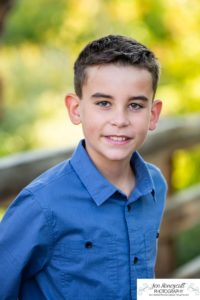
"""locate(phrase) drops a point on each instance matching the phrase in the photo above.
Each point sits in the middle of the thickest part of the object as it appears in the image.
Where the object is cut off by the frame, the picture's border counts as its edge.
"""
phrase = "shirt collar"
(99, 188)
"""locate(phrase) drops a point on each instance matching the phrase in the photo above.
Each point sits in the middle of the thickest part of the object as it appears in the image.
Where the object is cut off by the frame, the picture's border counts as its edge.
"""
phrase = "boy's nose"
(120, 119)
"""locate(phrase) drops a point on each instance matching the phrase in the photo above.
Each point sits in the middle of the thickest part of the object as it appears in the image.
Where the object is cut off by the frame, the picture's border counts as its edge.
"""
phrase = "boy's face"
(116, 111)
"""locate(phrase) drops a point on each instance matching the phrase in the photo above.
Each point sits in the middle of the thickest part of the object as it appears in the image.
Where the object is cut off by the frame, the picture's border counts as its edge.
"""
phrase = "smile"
(117, 139)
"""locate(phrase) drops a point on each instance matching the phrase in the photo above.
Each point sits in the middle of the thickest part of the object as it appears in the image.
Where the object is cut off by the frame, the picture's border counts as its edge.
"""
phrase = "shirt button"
(135, 261)
(88, 245)
(129, 207)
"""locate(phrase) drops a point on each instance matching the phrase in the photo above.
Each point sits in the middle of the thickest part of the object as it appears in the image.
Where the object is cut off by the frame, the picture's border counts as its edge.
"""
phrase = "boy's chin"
(118, 157)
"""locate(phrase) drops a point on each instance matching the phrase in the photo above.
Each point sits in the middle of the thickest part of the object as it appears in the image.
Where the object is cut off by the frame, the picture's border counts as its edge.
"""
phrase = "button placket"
(135, 260)
(88, 245)
(129, 207)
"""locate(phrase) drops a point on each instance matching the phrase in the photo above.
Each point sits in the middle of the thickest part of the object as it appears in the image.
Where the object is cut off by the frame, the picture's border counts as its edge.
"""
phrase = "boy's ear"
(155, 114)
(72, 103)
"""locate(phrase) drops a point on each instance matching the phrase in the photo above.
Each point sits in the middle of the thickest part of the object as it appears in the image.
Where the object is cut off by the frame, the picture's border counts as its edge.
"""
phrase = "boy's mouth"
(116, 138)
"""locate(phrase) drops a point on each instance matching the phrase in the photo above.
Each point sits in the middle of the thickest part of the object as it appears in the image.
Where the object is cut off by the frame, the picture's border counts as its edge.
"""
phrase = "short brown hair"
(115, 49)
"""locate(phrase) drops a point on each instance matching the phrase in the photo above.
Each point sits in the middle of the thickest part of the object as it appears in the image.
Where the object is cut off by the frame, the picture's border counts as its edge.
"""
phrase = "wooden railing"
(18, 170)
(182, 210)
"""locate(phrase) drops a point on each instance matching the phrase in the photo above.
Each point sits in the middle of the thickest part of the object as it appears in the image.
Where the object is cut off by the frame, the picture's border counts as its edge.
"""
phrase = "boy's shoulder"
(148, 174)
(142, 166)
(153, 169)
(157, 176)
(52, 179)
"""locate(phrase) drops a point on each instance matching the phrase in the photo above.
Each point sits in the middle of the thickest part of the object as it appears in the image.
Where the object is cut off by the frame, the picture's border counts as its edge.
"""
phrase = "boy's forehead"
(113, 73)
(109, 69)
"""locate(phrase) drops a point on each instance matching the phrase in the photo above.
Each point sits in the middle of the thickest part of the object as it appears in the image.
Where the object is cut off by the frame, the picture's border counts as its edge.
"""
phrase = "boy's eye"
(103, 103)
(135, 106)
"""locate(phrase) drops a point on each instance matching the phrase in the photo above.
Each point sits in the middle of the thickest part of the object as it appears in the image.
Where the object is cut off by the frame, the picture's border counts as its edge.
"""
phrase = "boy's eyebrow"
(139, 97)
(102, 95)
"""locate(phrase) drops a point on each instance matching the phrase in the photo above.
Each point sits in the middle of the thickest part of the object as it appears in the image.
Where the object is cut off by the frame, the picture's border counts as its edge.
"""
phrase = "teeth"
(118, 138)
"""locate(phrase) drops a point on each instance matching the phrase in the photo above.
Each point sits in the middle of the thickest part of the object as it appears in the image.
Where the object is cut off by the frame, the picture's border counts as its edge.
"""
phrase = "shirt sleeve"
(25, 243)
(160, 188)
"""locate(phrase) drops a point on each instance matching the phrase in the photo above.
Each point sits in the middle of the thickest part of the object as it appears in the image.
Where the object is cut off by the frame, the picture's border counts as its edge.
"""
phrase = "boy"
(87, 228)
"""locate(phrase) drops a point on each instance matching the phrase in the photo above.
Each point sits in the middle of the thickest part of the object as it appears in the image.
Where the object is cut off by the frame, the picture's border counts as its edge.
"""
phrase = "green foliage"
(187, 247)
(154, 19)
(33, 80)
(186, 165)
(33, 21)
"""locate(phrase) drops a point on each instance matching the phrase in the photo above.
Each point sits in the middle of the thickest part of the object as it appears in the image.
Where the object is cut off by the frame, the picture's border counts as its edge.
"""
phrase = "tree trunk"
(5, 6)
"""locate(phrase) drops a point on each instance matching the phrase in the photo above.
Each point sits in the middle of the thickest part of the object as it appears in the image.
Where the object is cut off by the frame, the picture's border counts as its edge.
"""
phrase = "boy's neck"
(120, 175)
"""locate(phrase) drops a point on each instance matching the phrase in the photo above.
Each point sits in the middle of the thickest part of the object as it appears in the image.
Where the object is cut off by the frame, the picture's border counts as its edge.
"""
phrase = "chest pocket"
(87, 269)
(144, 253)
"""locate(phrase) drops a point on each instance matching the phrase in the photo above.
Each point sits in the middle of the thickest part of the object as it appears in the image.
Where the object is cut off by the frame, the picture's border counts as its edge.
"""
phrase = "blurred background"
(39, 41)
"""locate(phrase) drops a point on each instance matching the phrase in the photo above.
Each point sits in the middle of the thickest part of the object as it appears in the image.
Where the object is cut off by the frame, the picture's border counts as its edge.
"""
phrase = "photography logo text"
(168, 288)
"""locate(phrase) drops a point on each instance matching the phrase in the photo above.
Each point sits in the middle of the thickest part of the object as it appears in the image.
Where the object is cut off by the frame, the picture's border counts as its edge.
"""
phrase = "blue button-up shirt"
(72, 235)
